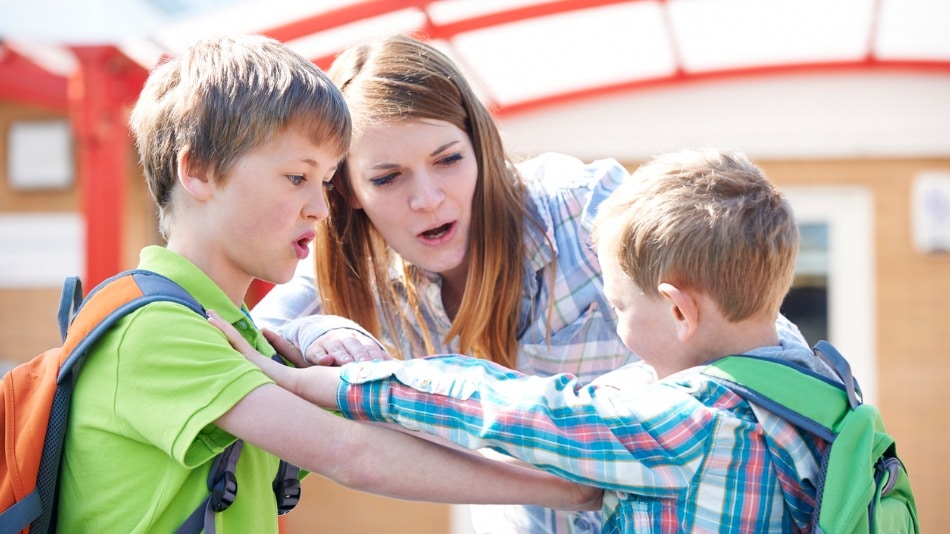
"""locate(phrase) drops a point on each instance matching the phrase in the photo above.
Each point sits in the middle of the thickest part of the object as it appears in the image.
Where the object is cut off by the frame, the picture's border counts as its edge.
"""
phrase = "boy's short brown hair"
(224, 97)
(708, 220)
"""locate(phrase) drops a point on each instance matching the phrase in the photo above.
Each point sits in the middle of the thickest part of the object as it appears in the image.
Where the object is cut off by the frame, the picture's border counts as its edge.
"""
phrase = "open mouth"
(302, 245)
(437, 232)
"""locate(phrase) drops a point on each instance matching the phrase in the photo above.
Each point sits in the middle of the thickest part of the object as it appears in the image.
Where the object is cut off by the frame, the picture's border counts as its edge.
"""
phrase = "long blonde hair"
(398, 79)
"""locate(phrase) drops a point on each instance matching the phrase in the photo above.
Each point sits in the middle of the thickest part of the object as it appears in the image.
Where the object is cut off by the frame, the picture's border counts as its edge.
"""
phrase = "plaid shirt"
(683, 454)
(562, 194)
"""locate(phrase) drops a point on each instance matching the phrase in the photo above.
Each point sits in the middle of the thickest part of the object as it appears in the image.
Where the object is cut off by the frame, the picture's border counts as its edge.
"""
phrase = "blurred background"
(843, 103)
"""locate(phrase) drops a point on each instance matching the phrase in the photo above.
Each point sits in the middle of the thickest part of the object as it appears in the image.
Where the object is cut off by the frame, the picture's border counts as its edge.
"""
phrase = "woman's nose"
(427, 193)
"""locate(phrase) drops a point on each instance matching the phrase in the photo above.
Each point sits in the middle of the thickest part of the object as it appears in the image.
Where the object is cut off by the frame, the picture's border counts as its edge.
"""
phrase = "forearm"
(459, 477)
(317, 384)
(388, 462)
(550, 422)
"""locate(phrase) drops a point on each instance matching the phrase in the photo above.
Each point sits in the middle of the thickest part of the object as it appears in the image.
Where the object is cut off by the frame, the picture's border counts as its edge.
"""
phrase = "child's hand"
(234, 338)
(343, 345)
(306, 383)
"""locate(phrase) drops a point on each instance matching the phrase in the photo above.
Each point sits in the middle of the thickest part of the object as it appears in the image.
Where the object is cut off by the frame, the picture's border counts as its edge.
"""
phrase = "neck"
(234, 285)
(451, 297)
(719, 338)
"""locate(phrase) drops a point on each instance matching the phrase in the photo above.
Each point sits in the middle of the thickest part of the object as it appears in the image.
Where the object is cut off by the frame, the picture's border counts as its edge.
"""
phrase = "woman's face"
(415, 181)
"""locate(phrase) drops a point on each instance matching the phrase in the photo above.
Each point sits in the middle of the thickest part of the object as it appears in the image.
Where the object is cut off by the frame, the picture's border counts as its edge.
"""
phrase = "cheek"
(626, 330)
(383, 211)
(471, 180)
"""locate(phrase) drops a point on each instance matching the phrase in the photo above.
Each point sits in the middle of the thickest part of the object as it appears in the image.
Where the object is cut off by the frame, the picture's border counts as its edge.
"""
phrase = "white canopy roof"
(532, 55)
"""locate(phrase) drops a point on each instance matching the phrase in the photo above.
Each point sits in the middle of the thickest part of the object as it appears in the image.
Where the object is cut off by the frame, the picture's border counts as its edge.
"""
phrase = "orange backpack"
(36, 394)
(36, 397)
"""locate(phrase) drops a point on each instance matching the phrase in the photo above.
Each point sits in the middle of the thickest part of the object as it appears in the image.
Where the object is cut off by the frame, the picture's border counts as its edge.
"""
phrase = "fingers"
(234, 337)
(285, 348)
(339, 347)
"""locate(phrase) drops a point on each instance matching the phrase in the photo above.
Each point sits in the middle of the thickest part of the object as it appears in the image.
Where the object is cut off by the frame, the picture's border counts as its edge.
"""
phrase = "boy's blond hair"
(707, 220)
(224, 97)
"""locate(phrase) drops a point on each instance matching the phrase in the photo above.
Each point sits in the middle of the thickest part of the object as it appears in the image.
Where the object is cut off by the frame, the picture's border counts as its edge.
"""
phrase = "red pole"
(98, 94)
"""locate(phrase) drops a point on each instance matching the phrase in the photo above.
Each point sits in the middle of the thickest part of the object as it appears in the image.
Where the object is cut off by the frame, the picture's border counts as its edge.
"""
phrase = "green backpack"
(863, 485)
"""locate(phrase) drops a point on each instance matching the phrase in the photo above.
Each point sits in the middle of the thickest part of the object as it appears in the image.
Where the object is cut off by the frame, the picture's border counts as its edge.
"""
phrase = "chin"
(279, 277)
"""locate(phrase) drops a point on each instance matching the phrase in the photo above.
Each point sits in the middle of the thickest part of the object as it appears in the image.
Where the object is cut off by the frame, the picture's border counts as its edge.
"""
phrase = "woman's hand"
(317, 384)
(341, 346)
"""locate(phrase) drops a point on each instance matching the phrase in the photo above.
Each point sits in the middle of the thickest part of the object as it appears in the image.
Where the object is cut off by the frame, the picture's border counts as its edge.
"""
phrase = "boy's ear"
(193, 179)
(683, 308)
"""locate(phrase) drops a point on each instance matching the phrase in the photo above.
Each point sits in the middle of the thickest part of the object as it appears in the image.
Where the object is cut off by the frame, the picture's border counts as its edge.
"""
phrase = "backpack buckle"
(224, 492)
(892, 467)
(287, 492)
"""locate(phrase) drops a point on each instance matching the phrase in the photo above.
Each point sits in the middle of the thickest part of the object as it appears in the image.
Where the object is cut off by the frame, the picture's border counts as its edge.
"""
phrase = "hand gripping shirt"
(682, 454)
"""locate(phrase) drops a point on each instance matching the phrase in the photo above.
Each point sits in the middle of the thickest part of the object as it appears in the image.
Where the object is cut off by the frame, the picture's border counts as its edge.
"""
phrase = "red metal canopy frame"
(98, 96)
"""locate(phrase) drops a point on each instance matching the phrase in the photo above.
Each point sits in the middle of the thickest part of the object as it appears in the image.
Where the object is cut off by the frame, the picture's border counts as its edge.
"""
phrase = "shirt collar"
(193, 280)
(540, 246)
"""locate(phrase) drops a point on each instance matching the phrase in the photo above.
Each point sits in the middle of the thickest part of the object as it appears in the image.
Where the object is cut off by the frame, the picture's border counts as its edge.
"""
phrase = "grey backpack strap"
(222, 482)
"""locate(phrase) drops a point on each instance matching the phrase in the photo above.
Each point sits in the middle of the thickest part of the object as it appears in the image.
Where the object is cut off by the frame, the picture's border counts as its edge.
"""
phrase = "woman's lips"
(438, 234)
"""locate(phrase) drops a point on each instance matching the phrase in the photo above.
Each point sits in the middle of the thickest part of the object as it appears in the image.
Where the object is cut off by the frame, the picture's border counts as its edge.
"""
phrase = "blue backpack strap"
(286, 487)
(794, 393)
(222, 481)
(69, 302)
(153, 286)
(836, 361)
(22, 513)
(122, 293)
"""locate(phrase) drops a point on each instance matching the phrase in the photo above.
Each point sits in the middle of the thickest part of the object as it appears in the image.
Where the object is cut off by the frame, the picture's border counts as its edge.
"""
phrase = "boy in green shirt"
(238, 138)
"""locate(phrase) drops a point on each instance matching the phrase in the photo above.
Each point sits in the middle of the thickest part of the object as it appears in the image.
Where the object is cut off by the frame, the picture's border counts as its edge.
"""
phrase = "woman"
(438, 242)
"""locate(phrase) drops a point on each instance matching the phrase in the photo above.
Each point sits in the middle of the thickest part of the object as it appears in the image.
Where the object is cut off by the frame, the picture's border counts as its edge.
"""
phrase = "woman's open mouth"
(437, 232)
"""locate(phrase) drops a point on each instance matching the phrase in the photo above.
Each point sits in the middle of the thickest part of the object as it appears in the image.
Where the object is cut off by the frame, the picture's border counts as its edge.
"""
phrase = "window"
(833, 294)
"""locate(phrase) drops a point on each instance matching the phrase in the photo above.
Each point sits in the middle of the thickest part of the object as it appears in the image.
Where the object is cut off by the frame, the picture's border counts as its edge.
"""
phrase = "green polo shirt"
(141, 435)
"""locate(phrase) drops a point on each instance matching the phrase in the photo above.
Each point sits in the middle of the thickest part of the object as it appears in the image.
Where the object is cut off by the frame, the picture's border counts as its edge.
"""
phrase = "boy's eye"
(296, 179)
(329, 185)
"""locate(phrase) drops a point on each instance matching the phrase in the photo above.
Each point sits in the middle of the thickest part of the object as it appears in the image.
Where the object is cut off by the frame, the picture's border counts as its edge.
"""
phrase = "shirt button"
(362, 371)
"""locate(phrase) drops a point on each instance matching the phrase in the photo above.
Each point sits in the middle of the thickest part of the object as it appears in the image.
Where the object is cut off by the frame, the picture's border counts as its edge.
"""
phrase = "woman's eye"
(448, 160)
(296, 179)
(383, 180)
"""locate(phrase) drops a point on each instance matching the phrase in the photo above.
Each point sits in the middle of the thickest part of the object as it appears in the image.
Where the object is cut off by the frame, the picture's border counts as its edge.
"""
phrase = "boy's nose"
(317, 208)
